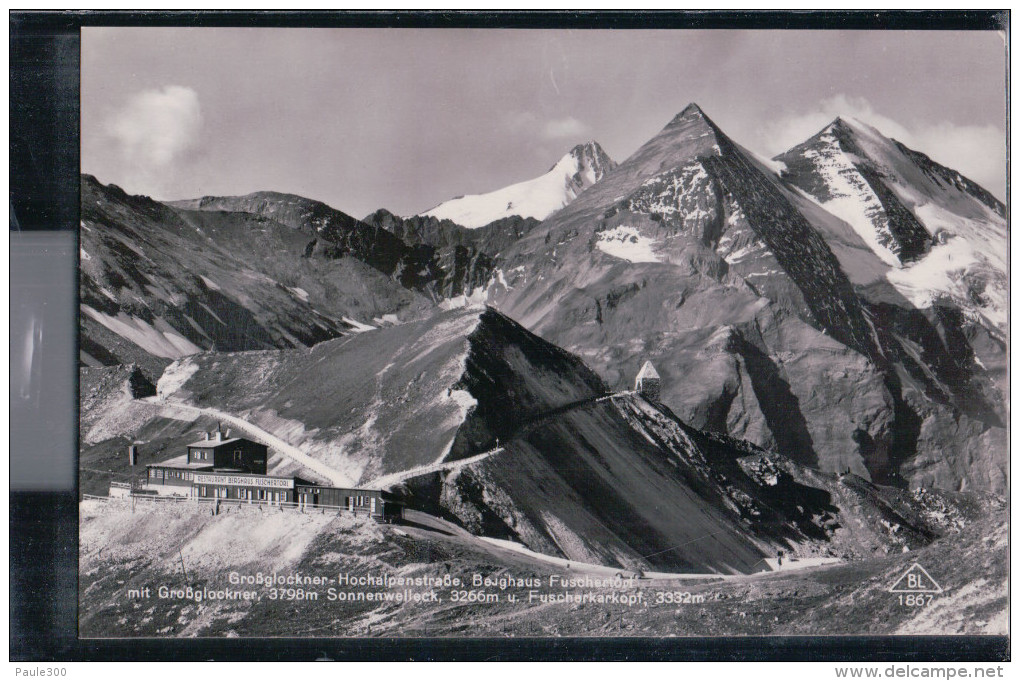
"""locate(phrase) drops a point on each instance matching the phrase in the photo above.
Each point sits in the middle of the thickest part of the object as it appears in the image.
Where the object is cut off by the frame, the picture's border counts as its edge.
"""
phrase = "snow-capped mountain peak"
(538, 198)
(941, 233)
(834, 167)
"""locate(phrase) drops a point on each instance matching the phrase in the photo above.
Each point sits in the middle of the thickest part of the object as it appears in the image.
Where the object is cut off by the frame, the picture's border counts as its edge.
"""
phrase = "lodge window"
(262, 494)
(237, 456)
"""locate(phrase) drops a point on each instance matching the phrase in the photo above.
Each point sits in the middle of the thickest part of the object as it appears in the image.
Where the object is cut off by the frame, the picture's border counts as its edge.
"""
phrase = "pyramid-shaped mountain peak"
(691, 113)
(692, 124)
(690, 134)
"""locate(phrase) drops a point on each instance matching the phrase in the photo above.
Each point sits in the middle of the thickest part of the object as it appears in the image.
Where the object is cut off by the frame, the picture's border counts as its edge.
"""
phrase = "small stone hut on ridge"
(648, 384)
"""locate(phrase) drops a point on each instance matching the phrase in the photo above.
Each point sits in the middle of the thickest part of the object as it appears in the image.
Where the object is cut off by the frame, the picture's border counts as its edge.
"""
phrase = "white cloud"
(153, 130)
(979, 152)
(564, 127)
(532, 128)
(520, 121)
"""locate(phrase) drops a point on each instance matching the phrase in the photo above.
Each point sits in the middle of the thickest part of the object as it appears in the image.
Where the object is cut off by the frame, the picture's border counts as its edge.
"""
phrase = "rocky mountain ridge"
(747, 294)
(479, 421)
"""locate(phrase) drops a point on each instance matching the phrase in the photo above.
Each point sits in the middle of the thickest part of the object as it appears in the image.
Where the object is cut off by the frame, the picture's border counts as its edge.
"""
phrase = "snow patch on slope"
(166, 343)
(358, 326)
(476, 298)
(943, 273)
(851, 199)
(175, 376)
(627, 243)
(209, 283)
(465, 400)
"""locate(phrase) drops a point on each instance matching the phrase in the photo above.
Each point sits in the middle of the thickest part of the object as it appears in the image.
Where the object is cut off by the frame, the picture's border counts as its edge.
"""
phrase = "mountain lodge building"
(224, 469)
(217, 452)
(224, 452)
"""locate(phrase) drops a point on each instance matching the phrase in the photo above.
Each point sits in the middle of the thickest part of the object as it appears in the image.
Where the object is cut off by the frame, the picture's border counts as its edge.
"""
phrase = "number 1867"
(915, 600)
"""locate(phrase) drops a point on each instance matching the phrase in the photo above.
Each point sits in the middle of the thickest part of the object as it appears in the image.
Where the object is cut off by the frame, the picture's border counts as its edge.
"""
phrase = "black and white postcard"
(542, 333)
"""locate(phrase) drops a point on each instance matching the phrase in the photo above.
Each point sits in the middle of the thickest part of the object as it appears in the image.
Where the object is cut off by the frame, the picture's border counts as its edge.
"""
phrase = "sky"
(404, 119)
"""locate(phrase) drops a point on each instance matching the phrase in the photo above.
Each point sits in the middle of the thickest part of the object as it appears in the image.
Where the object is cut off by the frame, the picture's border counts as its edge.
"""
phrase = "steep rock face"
(342, 233)
(581, 167)
(490, 239)
(692, 240)
(159, 283)
(418, 266)
(646, 469)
